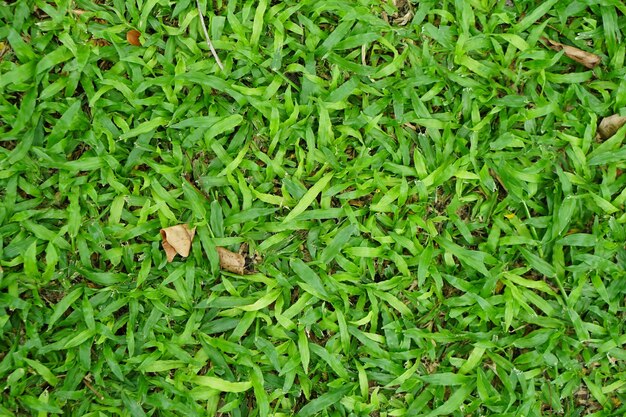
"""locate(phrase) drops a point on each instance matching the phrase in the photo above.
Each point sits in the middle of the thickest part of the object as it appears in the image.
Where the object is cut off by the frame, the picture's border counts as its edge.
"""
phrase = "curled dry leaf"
(405, 12)
(132, 36)
(231, 261)
(100, 42)
(403, 16)
(586, 58)
(609, 125)
(177, 240)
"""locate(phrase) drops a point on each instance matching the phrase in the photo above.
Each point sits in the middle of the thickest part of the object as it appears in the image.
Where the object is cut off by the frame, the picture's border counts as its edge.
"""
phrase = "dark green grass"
(439, 230)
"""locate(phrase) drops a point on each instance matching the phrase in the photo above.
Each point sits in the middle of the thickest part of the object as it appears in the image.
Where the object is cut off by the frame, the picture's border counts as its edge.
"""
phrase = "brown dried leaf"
(404, 20)
(404, 14)
(586, 58)
(132, 36)
(100, 42)
(231, 261)
(609, 125)
(177, 240)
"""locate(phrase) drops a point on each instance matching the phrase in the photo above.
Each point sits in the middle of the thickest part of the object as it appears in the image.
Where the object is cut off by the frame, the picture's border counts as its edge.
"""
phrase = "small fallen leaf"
(100, 42)
(499, 287)
(231, 261)
(403, 15)
(586, 58)
(177, 240)
(132, 36)
(609, 125)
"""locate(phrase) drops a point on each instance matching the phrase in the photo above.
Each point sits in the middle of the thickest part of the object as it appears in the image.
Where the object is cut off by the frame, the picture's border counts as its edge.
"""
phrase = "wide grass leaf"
(454, 402)
(324, 401)
(219, 384)
(423, 200)
(308, 198)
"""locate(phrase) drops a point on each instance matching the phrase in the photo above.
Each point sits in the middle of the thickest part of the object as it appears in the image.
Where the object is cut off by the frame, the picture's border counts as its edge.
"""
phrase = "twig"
(364, 55)
(95, 391)
(208, 39)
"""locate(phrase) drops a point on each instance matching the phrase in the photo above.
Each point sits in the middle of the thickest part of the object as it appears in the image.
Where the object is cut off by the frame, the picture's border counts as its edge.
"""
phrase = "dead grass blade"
(208, 39)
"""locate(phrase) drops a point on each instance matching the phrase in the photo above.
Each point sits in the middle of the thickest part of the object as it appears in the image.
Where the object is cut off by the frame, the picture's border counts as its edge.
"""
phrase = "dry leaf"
(132, 36)
(405, 12)
(609, 125)
(586, 58)
(403, 16)
(177, 240)
(231, 261)
(100, 42)
(402, 21)
(4, 48)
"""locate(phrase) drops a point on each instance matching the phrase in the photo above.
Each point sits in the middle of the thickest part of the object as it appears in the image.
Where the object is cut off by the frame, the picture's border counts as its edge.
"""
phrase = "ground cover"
(428, 199)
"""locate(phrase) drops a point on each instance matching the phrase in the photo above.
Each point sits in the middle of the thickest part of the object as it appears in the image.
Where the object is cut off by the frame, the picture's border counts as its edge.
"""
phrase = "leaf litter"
(610, 125)
(231, 261)
(177, 240)
(132, 36)
(355, 350)
(585, 58)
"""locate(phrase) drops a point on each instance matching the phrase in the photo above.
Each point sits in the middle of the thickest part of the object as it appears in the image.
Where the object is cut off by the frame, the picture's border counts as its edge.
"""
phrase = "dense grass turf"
(432, 226)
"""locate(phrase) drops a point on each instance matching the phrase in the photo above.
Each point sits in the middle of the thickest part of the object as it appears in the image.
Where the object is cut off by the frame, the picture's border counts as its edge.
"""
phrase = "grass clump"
(432, 222)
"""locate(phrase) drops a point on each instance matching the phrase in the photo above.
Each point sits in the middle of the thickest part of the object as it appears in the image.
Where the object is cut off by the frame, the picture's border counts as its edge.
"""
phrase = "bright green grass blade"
(308, 198)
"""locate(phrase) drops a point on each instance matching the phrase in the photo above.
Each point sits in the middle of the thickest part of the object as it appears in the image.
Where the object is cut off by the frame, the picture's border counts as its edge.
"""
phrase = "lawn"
(398, 209)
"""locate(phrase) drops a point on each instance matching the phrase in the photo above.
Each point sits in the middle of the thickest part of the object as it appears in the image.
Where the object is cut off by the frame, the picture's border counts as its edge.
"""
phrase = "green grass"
(436, 229)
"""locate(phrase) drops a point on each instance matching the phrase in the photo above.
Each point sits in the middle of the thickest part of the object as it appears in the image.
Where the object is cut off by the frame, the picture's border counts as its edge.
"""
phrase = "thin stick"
(95, 391)
(208, 39)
